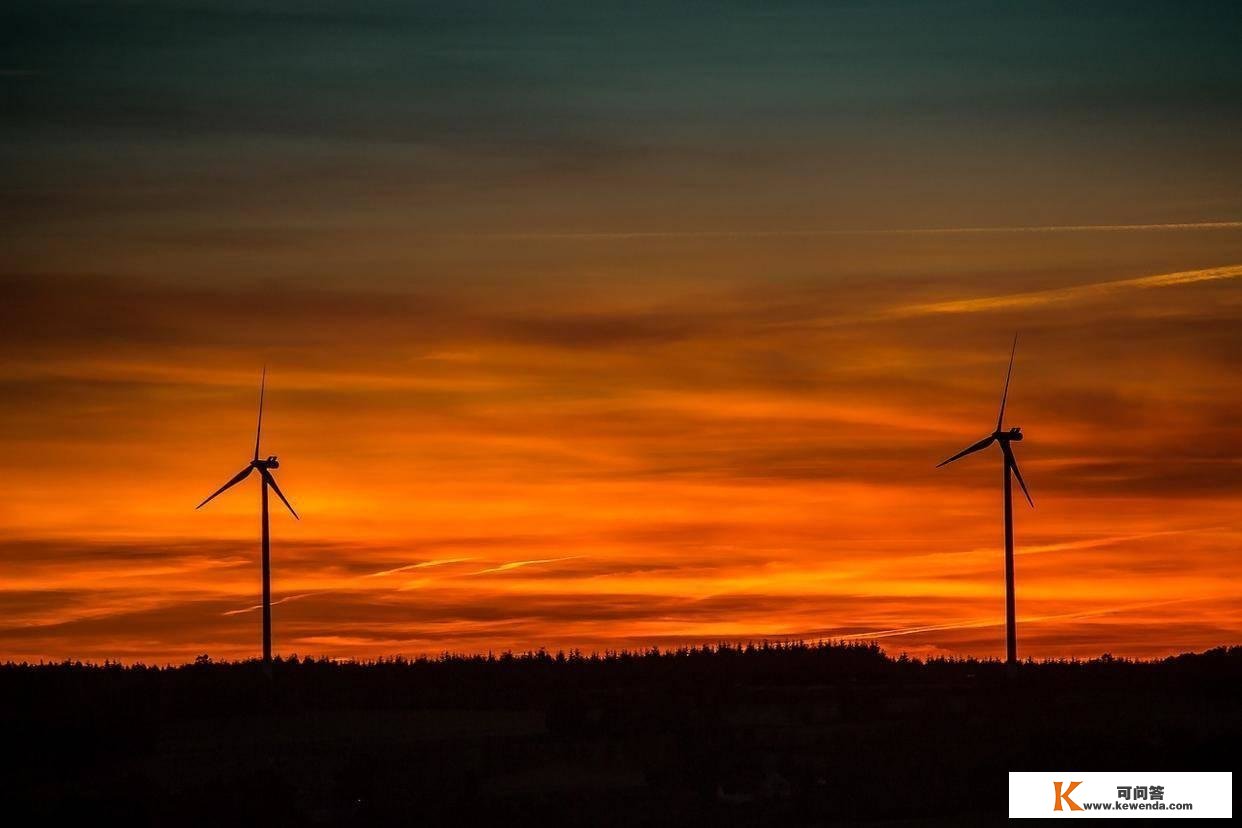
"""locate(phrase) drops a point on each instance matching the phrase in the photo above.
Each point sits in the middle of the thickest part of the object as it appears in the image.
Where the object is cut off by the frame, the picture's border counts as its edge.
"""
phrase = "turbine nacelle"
(270, 463)
(1013, 435)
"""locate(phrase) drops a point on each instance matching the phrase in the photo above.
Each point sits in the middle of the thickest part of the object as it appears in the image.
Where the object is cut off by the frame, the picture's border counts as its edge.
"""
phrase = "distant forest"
(516, 679)
(785, 733)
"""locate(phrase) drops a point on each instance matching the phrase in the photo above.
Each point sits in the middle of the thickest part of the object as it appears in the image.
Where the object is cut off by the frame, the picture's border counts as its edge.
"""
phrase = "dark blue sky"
(550, 116)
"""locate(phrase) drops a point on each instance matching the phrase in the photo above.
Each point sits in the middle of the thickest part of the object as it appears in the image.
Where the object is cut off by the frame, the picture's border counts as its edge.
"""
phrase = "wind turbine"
(264, 467)
(1003, 439)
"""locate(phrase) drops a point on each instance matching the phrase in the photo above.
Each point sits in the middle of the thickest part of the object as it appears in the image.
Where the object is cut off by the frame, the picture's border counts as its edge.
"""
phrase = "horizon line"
(843, 642)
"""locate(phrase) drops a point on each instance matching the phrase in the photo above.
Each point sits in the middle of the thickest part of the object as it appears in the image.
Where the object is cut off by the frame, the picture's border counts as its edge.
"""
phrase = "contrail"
(1092, 543)
(971, 625)
(423, 565)
(891, 231)
(274, 603)
(1038, 298)
(517, 564)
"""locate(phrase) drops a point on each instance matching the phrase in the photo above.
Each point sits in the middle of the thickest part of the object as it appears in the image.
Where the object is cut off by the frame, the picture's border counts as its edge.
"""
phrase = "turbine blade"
(1000, 418)
(237, 478)
(1013, 464)
(271, 481)
(259, 429)
(982, 444)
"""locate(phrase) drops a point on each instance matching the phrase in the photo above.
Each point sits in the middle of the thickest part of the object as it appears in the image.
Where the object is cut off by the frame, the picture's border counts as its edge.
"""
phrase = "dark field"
(797, 735)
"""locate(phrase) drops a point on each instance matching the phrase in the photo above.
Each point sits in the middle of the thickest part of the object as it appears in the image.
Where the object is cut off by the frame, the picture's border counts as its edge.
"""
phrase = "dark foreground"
(770, 735)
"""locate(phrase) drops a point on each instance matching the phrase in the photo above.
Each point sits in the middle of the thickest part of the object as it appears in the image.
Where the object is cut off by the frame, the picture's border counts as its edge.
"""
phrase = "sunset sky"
(610, 325)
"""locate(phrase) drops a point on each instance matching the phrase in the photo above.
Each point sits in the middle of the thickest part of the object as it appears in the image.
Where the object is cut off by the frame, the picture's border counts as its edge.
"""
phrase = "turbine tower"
(1003, 439)
(264, 467)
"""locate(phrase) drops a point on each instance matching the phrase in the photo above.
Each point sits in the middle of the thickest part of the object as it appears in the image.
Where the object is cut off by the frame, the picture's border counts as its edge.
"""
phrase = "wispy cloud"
(1037, 298)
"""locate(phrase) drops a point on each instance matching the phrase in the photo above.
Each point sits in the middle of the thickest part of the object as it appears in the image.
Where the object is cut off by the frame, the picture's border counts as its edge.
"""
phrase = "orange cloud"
(574, 456)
